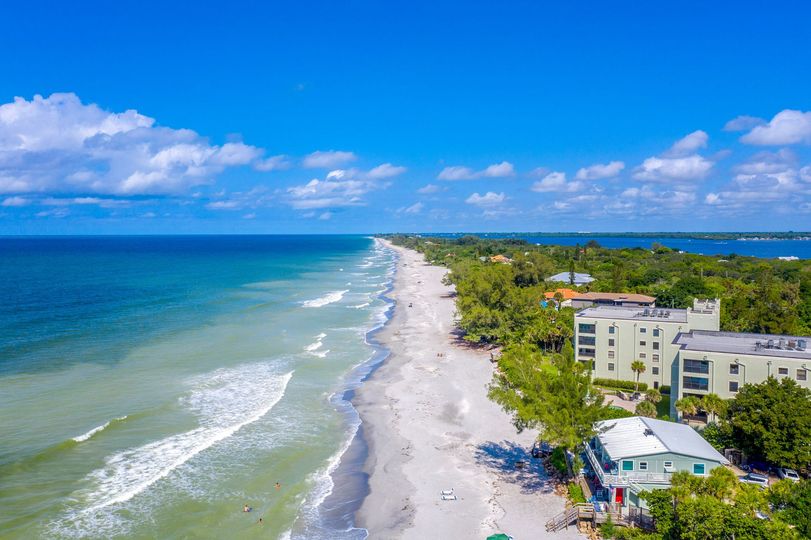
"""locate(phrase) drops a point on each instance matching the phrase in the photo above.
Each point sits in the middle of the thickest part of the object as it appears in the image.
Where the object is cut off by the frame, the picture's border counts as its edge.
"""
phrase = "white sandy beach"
(430, 427)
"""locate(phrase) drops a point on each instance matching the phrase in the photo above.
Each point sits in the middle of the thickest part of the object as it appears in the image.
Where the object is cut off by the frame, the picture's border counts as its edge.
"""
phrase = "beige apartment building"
(722, 362)
(610, 338)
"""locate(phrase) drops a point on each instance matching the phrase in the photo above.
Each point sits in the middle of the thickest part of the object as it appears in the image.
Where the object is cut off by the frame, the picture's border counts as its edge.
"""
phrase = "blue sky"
(371, 116)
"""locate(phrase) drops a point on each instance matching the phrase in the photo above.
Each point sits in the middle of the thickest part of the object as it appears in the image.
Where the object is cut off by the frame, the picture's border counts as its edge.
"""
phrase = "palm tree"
(646, 408)
(638, 367)
(687, 405)
(653, 395)
(713, 405)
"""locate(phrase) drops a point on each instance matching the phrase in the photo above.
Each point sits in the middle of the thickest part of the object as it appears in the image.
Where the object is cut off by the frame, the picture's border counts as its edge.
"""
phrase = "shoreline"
(428, 426)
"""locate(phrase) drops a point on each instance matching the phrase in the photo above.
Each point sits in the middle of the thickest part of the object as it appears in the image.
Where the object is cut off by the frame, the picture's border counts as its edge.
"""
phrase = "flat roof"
(638, 436)
(563, 277)
(634, 313)
(630, 297)
(741, 343)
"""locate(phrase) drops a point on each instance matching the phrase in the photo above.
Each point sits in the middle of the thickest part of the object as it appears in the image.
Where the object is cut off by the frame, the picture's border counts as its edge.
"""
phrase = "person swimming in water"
(246, 508)
(278, 485)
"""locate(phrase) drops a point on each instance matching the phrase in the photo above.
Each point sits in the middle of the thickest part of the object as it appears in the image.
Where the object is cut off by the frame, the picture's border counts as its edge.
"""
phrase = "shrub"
(664, 389)
(558, 460)
(576, 493)
(616, 412)
(622, 385)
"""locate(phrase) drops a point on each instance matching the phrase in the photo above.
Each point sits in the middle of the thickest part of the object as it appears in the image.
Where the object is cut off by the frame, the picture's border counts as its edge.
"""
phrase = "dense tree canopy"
(772, 421)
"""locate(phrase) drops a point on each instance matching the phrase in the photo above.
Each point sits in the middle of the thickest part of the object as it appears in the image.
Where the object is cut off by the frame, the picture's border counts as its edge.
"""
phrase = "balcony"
(625, 478)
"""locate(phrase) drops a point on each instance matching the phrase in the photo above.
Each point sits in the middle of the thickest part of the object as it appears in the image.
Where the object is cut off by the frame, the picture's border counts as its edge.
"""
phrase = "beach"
(430, 427)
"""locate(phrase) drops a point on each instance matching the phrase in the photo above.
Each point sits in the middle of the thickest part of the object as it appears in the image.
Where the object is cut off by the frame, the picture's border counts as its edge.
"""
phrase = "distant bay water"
(767, 249)
(152, 386)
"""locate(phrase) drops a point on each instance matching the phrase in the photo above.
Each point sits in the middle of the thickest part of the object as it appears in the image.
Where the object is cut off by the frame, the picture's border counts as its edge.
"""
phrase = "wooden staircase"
(570, 516)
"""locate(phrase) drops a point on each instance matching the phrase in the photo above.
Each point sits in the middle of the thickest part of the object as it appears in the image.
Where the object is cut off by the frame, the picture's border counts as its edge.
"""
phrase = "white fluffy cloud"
(599, 171)
(386, 170)
(488, 200)
(659, 169)
(429, 189)
(328, 159)
(273, 163)
(787, 127)
(688, 144)
(496, 170)
(743, 123)
(58, 144)
(15, 201)
(340, 188)
(415, 208)
(556, 182)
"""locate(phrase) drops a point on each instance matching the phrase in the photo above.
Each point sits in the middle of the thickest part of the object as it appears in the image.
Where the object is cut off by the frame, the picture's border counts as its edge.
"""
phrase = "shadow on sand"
(503, 456)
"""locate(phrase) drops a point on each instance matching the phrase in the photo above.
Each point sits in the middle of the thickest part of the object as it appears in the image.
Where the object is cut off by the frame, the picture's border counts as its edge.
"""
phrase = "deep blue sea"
(152, 386)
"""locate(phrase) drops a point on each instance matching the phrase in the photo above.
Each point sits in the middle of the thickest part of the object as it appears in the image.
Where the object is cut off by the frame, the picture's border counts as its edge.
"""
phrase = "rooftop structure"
(635, 313)
(780, 346)
(500, 259)
(612, 299)
(567, 294)
(639, 436)
(565, 277)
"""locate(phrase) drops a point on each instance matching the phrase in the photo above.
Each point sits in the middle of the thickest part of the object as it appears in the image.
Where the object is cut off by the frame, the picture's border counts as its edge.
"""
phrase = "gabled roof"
(638, 436)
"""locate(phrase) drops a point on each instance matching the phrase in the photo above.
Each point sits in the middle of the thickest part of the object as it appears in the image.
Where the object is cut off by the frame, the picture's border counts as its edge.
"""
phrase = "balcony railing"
(624, 478)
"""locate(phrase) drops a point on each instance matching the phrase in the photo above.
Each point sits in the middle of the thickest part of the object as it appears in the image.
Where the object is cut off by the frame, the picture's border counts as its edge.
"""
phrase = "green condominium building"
(610, 338)
(722, 362)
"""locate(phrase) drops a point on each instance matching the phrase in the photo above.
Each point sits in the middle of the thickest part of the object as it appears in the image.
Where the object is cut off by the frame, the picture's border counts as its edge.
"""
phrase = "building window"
(696, 366)
(627, 465)
(698, 468)
(656, 384)
(655, 332)
(801, 374)
(585, 351)
(643, 465)
(643, 330)
(586, 340)
(733, 369)
(611, 329)
(695, 383)
(655, 345)
(586, 328)
(655, 370)
(611, 366)
(668, 465)
(642, 355)
(733, 386)
(655, 357)
(642, 343)
(610, 342)
(611, 354)
(782, 371)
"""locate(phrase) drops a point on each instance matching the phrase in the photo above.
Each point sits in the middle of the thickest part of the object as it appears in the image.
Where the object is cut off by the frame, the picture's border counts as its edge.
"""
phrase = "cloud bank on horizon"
(61, 158)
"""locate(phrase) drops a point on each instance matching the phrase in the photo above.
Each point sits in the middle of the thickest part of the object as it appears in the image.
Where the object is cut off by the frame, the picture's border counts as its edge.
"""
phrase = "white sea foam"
(363, 305)
(86, 436)
(328, 298)
(320, 354)
(313, 346)
(225, 401)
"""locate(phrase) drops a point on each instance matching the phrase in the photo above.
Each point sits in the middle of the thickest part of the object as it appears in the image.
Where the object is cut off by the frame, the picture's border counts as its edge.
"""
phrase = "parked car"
(754, 478)
(789, 474)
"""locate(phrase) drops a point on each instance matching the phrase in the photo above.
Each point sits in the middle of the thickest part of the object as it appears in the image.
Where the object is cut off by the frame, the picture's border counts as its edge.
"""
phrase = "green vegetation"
(558, 460)
(553, 395)
(772, 421)
(758, 295)
(576, 493)
(619, 385)
(718, 506)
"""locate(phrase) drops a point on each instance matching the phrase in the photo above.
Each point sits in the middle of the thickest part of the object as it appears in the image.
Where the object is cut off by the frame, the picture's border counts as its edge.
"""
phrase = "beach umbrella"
(500, 536)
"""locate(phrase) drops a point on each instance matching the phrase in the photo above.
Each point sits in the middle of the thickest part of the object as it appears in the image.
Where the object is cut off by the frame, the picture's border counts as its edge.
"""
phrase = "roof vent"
(667, 314)
(781, 343)
(653, 312)
(801, 344)
(770, 344)
(645, 312)
(648, 432)
(758, 345)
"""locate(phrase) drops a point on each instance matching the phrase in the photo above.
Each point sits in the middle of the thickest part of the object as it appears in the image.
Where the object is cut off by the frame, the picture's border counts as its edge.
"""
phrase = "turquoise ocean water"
(152, 386)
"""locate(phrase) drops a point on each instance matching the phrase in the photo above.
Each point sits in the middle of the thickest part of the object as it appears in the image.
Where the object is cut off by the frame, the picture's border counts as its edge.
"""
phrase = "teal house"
(631, 455)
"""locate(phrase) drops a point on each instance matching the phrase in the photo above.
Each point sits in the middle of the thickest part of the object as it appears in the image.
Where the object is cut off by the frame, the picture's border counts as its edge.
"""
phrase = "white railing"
(624, 478)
